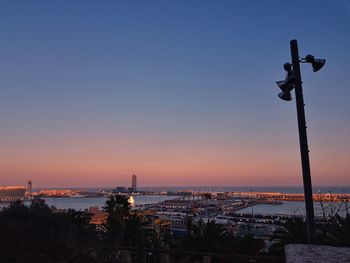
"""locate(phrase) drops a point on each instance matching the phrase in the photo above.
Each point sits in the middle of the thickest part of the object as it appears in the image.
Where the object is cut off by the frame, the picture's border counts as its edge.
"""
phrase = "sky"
(179, 93)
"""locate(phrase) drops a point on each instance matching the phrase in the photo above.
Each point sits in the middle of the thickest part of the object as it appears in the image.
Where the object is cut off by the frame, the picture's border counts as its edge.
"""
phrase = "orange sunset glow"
(178, 98)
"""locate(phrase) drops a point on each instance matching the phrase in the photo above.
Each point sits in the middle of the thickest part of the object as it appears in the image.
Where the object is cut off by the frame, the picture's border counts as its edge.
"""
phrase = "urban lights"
(293, 81)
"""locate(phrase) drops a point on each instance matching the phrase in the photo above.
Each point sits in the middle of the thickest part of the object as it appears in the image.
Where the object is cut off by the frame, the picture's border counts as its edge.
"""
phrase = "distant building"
(57, 192)
(134, 183)
(29, 188)
(177, 204)
(11, 193)
(120, 189)
(98, 216)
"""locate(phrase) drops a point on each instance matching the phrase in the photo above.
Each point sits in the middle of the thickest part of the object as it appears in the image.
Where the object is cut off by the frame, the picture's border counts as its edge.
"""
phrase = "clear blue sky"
(178, 92)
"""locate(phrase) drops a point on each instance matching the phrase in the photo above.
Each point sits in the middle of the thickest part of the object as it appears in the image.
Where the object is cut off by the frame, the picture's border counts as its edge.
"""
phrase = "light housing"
(285, 95)
(316, 63)
(287, 84)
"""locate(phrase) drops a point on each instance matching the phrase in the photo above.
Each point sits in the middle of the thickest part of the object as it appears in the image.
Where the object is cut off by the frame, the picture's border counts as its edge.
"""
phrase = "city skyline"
(180, 94)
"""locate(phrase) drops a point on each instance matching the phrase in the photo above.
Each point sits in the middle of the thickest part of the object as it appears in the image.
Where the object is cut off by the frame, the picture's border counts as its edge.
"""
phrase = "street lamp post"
(305, 162)
(293, 80)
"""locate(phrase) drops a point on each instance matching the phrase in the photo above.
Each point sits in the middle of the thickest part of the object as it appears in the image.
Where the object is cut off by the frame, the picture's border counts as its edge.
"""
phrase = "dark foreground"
(38, 233)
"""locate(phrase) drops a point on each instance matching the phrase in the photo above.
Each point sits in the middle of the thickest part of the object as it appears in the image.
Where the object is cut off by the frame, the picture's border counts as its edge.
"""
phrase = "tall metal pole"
(305, 162)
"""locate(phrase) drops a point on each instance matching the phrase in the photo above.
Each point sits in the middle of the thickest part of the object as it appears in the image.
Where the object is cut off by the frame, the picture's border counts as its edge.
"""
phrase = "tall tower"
(29, 190)
(134, 183)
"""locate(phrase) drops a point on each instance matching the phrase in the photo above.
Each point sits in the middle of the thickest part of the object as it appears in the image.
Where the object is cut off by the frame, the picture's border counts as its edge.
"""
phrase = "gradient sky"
(177, 92)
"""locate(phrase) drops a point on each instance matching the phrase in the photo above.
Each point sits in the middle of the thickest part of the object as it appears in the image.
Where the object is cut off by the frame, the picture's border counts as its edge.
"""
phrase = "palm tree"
(248, 245)
(117, 207)
(135, 236)
(292, 231)
(208, 237)
(134, 233)
(123, 228)
(37, 233)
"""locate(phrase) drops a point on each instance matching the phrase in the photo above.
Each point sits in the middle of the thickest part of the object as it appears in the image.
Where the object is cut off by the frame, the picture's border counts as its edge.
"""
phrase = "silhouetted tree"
(248, 245)
(117, 208)
(117, 205)
(331, 229)
(207, 237)
(123, 228)
(135, 235)
(213, 237)
(336, 231)
(37, 233)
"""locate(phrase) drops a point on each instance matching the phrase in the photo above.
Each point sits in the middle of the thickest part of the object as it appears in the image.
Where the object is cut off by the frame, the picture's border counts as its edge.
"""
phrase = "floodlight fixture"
(287, 84)
(316, 63)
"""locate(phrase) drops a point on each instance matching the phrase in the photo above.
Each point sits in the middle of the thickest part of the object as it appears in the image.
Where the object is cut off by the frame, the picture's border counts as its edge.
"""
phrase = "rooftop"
(11, 187)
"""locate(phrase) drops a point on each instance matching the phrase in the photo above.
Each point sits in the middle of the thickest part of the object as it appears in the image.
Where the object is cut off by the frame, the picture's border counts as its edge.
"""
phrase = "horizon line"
(197, 186)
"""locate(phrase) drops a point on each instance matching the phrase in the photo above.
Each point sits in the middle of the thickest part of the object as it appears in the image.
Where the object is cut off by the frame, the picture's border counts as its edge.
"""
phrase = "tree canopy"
(38, 233)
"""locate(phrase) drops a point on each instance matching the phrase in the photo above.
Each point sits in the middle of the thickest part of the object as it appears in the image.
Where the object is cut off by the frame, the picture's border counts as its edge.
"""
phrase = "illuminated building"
(11, 193)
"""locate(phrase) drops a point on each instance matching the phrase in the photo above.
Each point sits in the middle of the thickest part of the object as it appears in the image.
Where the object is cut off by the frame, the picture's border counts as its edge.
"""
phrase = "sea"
(83, 203)
(293, 208)
(286, 208)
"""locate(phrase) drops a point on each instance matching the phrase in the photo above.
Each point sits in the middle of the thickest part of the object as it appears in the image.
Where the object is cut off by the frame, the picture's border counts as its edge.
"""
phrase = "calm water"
(86, 202)
(287, 208)
(295, 208)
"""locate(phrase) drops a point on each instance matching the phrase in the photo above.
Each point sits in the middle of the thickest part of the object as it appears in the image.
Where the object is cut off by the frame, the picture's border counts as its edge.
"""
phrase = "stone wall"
(299, 253)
